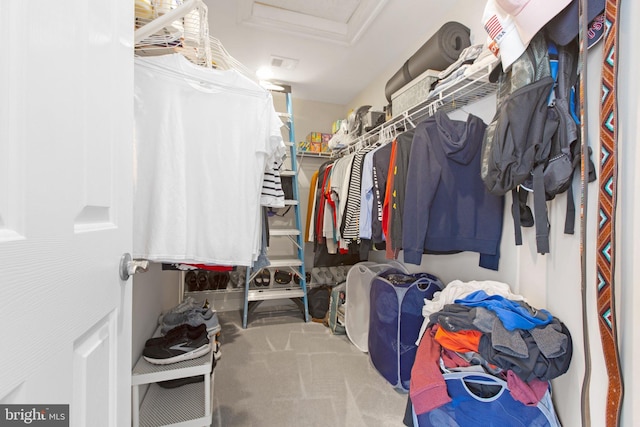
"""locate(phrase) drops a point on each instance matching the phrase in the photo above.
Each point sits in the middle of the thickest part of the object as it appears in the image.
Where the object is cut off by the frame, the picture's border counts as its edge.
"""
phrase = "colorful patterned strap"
(607, 199)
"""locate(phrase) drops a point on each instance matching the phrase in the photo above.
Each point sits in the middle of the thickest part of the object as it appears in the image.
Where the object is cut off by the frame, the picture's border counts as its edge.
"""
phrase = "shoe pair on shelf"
(196, 281)
(179, 382)
(190, 312)
(262, 278)
(184, 342)
(322, 276)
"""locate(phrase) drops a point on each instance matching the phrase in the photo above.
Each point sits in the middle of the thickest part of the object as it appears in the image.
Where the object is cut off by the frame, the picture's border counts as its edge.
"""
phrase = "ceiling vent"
(284, 63)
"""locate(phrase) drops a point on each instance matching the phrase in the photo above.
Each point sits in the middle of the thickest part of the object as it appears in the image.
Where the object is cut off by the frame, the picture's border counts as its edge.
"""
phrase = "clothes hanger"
(182, 29)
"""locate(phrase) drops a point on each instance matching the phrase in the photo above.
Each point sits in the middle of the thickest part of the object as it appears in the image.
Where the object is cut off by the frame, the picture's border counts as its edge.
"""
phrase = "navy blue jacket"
(447, 207)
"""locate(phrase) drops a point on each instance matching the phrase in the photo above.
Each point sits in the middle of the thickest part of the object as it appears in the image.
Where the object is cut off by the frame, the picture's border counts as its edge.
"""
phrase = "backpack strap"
(540, 210)
(515, 213)
(570, 216)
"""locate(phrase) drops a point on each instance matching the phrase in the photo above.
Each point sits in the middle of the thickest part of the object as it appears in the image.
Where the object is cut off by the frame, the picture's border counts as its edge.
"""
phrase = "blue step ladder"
(297, 292)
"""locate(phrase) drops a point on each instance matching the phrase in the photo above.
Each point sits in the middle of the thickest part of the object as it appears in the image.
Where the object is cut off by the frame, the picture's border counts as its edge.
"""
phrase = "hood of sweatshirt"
(461, 140)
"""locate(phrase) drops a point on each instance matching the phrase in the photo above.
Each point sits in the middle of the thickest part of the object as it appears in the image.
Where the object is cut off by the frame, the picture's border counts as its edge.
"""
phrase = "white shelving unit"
(188, 405)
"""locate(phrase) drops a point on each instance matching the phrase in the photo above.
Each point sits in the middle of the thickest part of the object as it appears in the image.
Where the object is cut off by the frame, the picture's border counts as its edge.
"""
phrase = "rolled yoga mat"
(440, 51)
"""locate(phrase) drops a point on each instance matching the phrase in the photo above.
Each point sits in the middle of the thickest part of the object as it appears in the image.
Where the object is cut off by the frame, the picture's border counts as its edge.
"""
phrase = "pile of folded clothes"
(483, 324)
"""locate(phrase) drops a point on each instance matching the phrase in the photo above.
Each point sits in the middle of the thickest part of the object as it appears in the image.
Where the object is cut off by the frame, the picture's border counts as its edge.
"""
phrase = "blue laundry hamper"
(480, 399)
(395, 318)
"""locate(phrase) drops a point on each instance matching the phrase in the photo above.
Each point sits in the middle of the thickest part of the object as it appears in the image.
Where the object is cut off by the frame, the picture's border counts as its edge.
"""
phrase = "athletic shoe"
(177, 350)
(177, 333)
(179, 382)
(189, 303)
(217, 353)
(193, 317)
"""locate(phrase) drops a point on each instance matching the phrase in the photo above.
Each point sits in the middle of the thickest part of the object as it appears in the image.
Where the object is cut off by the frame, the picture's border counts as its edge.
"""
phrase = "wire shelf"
(455, 96)
(175, 26)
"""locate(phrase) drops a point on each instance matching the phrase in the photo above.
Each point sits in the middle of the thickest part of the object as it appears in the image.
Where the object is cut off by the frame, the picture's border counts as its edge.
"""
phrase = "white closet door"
(66, 126)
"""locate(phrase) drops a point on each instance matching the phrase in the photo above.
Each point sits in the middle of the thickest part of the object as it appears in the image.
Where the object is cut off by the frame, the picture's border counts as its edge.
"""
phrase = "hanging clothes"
(350, 226)
(380, 171)
(388, 204)
(340, 178)
(447, 207)
(202, 140)
(367, 193)
(272, 195)
(400, 168)
(311, 207)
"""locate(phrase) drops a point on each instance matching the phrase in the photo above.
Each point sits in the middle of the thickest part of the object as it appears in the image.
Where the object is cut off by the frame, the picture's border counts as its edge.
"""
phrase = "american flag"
(493, 27)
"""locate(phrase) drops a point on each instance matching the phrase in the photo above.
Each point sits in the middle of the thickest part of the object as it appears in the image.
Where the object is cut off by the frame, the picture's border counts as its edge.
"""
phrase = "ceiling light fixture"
(264, 73)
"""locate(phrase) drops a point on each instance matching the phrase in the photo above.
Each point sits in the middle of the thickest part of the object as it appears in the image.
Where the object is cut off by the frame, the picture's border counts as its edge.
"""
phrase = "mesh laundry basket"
(357, 305)
(395, 320)
(482, 399)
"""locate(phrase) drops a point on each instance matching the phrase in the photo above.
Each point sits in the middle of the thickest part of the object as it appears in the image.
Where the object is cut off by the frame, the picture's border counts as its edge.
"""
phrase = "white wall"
(154, 291)
(553, 281)
(309, 116)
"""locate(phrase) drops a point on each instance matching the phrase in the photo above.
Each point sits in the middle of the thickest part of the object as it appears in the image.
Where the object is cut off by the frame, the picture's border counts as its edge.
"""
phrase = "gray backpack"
(518, 139)
(534, 145)
(564, 156)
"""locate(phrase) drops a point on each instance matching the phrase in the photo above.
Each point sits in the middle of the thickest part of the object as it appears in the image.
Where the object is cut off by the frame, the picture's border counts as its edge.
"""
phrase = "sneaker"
(177, 350)
(189, 303)
(177, 333)
(179, 382)
(193, 317)
(217, 353)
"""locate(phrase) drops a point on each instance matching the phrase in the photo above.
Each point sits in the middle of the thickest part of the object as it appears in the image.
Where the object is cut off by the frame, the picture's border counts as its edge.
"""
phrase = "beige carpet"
(283, 372)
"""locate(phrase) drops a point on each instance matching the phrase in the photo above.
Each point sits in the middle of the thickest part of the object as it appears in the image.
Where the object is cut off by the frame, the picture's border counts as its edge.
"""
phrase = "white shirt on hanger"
(202, 139)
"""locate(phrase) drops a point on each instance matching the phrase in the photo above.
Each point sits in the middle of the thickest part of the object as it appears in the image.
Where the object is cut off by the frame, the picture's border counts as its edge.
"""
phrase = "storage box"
(413, 93)
(314, 137)
(316, 142)
(370, 119)
(335, 127)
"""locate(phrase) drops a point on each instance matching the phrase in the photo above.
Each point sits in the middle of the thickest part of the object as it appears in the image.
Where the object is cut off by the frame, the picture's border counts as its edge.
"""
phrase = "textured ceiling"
(326, 20)
(333, 10)
(339, 46)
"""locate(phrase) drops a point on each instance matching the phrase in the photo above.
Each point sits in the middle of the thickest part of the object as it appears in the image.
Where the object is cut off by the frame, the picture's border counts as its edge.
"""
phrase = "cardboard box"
(371, 118)
(304, 146)
(314, 137)
(413, 93)
(316, 142)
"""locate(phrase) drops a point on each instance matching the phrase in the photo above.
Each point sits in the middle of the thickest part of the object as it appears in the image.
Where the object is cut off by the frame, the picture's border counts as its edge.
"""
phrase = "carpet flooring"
(283, 372)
